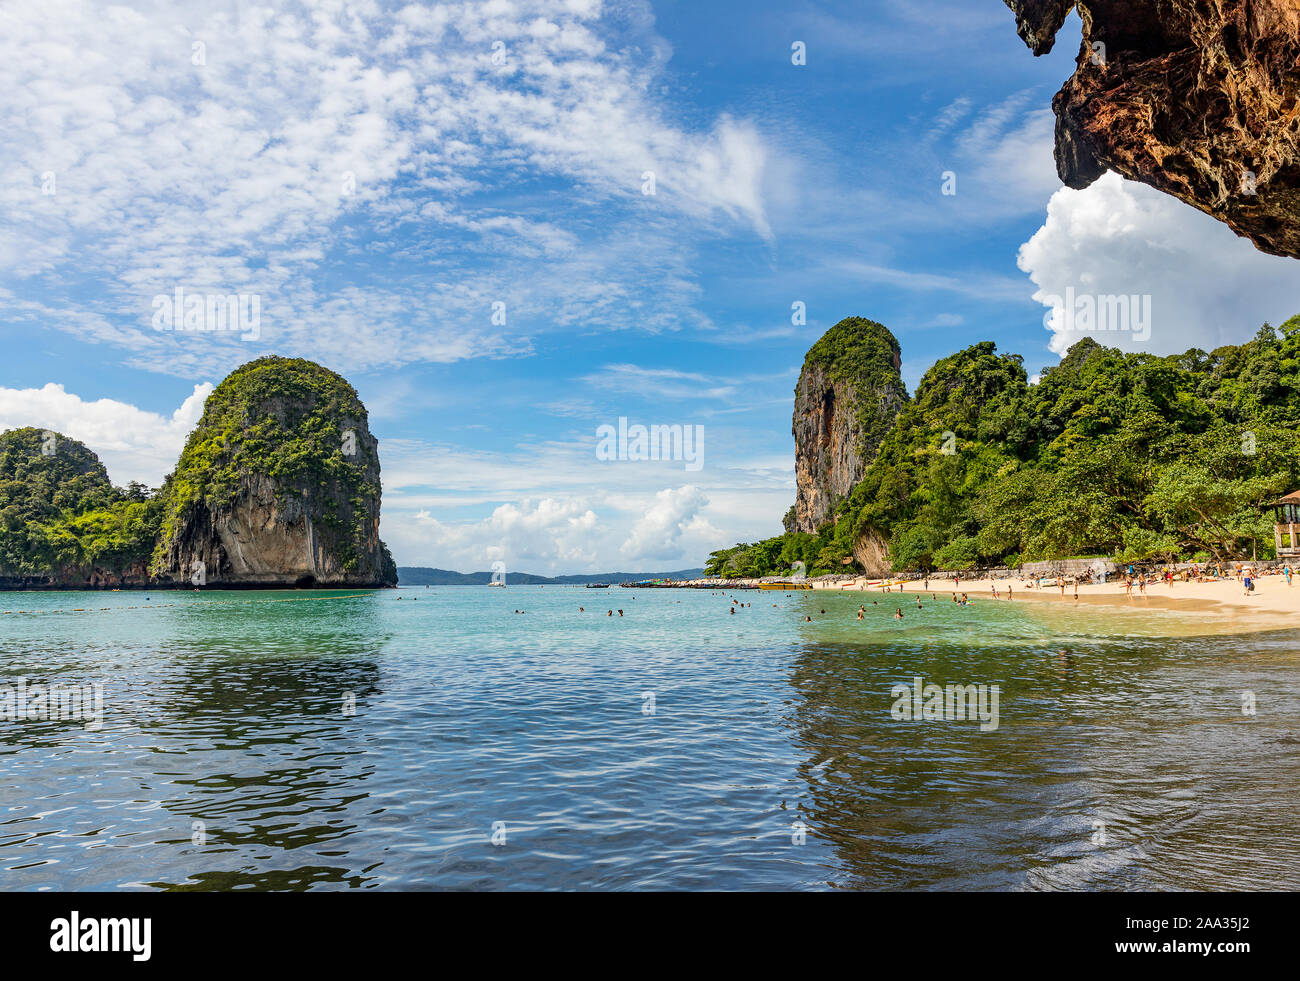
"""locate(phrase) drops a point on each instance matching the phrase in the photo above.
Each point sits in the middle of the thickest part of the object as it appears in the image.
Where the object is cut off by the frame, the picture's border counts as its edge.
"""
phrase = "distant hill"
(422, 576)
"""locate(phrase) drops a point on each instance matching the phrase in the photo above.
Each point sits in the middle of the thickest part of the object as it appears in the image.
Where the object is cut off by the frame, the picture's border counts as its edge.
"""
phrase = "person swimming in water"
(898, 614)
(807, 619)
(860, 614)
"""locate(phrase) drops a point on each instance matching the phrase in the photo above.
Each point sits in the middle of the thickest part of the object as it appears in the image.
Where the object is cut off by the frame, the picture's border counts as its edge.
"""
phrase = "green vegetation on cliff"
(282, 466)
(60, 516)
(1132, 456)
(294, 422)
(866, 355)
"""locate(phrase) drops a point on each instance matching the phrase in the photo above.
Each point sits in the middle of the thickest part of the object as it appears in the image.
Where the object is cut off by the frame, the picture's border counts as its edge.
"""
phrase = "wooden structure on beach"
(1286, 532)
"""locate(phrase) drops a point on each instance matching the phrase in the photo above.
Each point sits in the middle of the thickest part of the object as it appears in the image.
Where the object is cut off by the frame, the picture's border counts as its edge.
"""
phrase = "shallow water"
(1122, 757)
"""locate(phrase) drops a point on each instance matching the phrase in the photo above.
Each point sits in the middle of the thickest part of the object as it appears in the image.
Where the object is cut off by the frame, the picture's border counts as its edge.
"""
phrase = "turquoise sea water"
(676, 747)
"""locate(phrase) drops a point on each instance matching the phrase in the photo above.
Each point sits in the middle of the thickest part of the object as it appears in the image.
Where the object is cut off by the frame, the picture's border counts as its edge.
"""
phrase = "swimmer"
(610, 613)
(731, 610)
(860, 612)
(620, 612)
(807, 619)
(898, 614)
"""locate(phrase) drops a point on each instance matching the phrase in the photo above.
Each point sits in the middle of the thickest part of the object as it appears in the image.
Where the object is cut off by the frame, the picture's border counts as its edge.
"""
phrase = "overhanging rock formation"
(1198, 98)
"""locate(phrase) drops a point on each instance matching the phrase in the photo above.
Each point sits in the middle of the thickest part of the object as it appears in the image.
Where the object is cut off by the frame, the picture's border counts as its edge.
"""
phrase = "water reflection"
(1116, 765)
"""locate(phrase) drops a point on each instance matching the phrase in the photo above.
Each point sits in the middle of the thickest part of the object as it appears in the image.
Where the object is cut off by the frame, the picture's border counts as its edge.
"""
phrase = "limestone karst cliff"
(1198, 99)
(277, 485)
(848, 394)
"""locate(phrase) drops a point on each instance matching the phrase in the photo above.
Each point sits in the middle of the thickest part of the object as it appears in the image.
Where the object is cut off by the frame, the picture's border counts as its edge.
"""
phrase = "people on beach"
(1286, 571)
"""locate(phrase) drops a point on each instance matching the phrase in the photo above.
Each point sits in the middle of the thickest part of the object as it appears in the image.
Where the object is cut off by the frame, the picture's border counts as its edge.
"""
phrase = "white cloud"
(524, 535)
(132, 443)
(674, 515)
(241, 147)
(1207, 286)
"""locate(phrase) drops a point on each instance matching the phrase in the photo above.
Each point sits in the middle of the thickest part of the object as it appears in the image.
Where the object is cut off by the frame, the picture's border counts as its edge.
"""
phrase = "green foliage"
(276, 425)
(59, 515)
(1135, 456)
(866, 355)
(282, 418)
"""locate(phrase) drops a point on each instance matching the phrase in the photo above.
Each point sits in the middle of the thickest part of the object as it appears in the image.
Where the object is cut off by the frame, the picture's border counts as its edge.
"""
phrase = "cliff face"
(278, 485)
(1198, 98)
(848, 395)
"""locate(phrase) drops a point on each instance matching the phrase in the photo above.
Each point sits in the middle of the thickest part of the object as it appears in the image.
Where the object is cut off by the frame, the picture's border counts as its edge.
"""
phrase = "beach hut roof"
(1292, 498)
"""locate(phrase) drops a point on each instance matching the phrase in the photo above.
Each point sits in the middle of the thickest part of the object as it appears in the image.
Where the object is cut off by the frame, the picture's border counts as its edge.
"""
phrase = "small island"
(278, 486)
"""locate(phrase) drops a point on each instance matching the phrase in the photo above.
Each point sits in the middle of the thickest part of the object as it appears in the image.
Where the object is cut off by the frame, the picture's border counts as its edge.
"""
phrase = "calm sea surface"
(675, 747)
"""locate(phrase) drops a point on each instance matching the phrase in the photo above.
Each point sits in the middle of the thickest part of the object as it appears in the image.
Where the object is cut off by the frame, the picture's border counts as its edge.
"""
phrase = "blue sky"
(387, 177)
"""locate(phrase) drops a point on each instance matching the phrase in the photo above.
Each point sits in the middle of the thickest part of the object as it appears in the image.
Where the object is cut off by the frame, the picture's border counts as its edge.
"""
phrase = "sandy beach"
(1272, 605)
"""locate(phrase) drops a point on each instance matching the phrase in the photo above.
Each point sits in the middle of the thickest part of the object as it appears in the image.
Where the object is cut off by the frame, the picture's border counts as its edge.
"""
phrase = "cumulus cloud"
(524, 535)
(674, 515)
(1207, 287)
(132, 443)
